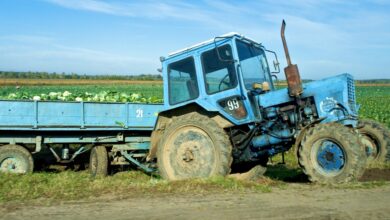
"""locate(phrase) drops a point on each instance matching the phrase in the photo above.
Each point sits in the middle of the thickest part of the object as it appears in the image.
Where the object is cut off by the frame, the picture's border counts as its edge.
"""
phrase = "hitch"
(292, 73)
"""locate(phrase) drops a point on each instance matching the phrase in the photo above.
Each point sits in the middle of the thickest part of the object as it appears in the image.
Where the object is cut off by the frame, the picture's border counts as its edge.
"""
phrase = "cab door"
(253, 69)
(221, 83)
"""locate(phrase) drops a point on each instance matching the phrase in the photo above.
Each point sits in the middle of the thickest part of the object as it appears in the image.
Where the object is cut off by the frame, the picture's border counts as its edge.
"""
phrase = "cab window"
(218, 68)
(183, 85)
(253, 64)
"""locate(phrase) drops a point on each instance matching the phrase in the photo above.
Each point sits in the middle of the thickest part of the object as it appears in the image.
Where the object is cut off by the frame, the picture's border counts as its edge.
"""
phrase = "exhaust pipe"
(292, 73)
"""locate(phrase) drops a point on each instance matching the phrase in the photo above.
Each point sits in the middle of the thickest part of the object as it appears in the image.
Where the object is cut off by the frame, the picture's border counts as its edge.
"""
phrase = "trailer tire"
(376, 139)
(15, 159)
(332, 153)
(98, 161)
(194, 146)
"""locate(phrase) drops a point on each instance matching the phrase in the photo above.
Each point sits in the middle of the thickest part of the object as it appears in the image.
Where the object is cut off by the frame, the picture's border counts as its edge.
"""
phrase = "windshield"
(253, 64)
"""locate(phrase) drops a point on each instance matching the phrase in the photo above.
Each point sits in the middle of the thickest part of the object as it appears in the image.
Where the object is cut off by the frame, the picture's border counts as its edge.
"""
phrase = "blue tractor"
(222, 110)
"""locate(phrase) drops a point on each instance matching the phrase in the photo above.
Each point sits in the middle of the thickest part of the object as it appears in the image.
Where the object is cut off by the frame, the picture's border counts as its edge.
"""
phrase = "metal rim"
(13, 165)
(189, 152)
(371, 146)
(328, 157)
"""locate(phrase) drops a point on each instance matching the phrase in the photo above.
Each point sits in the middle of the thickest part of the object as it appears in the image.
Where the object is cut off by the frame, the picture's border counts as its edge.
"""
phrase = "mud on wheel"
(98, 161)
(15, 159)
(332, 153)
(376, 139)
(194, 146)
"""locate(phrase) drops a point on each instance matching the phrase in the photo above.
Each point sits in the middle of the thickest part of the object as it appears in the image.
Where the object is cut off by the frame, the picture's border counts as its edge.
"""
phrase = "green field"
(374, 103)
(374, 100)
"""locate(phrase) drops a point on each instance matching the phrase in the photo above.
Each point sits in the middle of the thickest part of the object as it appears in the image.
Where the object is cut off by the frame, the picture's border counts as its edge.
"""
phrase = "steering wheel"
(223, 82)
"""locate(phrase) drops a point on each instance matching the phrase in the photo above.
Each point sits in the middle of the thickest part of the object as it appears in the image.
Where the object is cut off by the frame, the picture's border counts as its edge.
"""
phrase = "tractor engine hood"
(334, 98)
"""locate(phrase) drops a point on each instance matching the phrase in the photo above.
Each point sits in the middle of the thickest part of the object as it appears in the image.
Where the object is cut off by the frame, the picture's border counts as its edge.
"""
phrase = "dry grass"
(70, 185)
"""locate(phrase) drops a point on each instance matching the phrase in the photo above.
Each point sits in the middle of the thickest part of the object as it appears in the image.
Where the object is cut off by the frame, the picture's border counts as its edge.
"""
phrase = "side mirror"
(275, 62)
(224, 54)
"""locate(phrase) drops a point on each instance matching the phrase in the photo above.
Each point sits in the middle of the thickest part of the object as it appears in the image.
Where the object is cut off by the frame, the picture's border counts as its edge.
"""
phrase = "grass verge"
(77, 185)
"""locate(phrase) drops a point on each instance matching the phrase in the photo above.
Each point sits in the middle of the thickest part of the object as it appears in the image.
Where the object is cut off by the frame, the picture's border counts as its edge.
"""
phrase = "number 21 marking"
(139, 113)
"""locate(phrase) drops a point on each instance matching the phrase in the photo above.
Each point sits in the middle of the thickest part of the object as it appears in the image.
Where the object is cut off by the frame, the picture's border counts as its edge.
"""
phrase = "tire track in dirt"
(297, 201)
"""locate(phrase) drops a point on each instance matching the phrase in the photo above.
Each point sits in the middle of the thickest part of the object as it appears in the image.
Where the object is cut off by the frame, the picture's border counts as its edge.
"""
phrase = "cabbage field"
(374, 100)
(148, 93)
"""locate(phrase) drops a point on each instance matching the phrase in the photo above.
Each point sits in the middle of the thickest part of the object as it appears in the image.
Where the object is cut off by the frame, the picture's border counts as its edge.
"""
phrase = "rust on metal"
(291, 71)
(293, 80)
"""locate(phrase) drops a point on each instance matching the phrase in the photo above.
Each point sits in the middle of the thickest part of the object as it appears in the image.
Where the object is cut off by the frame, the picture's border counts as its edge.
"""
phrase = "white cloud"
(143, 9)
(92, 5)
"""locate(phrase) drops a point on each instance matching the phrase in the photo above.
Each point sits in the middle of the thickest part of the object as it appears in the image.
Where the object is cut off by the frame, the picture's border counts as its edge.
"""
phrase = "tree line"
(54, 75)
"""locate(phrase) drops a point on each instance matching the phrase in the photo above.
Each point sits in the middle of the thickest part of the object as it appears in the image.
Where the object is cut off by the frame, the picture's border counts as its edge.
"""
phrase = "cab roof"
(207, 42)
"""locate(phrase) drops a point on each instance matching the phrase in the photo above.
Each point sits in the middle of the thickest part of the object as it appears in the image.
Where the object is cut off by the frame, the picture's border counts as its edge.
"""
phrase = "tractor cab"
(224, 75)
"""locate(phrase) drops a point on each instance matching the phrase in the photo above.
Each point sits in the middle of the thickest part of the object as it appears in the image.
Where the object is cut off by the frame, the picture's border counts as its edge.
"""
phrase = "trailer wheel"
(98, 161)
(194, 146)
(332, 153)
(376, 139)
(15, 159)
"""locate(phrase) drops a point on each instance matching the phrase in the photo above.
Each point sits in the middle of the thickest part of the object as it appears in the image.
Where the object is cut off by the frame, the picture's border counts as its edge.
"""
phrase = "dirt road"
(297, 201)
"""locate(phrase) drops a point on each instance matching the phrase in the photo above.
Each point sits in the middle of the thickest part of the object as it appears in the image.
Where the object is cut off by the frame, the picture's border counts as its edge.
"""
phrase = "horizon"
(96, 37)
(156, 75)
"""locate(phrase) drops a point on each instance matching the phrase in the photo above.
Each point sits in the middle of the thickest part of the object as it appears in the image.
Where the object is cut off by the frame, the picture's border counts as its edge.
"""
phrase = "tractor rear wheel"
(98, 161)
(332, 153)
(376, 139)
(15, 159)
(194, 146)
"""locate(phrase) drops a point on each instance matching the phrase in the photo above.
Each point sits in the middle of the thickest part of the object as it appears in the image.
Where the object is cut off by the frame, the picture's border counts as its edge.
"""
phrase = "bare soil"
(376, 174)
(296, 200)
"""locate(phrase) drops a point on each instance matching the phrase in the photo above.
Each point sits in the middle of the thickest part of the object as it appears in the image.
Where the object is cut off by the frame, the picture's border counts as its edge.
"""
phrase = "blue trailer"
(221, 111)
(37, 125)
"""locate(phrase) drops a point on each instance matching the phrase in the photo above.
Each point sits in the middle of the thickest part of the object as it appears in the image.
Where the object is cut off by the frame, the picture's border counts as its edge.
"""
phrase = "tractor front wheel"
(332, 153)
(194, 146)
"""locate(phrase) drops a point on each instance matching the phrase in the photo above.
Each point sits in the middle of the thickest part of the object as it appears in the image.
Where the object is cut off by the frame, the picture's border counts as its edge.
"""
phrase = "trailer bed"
(58, 115)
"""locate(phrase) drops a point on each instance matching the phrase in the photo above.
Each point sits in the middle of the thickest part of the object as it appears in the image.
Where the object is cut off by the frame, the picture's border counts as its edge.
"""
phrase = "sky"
(127, 37)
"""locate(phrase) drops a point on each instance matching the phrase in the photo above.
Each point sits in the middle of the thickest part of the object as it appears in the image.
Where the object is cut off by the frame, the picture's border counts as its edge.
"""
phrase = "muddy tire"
(332, 153)
(98, 161)
(376, 139)
(15, 159)
(194, 146)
